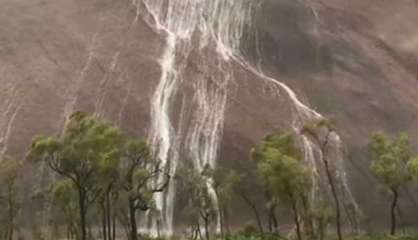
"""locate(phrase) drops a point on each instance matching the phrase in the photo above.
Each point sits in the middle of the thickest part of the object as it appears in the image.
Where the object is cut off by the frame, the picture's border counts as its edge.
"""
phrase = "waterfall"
(211, 32)
(217, 24)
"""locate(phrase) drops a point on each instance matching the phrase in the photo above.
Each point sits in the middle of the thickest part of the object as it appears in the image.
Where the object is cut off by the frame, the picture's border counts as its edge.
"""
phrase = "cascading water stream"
(200, 25)
(10, 109)
(212, 23)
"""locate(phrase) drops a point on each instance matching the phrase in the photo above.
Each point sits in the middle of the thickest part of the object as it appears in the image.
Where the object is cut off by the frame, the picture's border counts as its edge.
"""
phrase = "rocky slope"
(355, 61)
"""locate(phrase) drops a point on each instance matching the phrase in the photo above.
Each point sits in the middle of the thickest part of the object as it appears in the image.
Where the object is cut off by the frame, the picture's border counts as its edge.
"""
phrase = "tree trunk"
(108, 217)
(158, 228)
(273, 223)
(68, 231)
(199, 232)
(321, 229)
(307, 219)
(90, 231)
(351, 217)
(393, 212)
(226, 220)
(123, 217)
(296, 219)
(221, 221)
(11, 213)
(255, 210)
(334, 195)
(82, 211)
(196, 232)
(193, 233)
(206, 222)
(73, 230)
(104, 225)
(132, 220)
(114, 226)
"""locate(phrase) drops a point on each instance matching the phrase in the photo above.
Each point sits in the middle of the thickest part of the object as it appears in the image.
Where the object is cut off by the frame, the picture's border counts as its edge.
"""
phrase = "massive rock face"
(353, 64)
(353, 60)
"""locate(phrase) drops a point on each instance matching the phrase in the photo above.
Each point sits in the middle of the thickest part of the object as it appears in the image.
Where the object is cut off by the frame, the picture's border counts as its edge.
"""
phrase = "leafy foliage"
(285, 175)
(10, 200)
(138, 170)
(141, 178)
(86, 153)
(281, 167)
(201, 209)
(391, 159)
(87, 148)
(391, 166)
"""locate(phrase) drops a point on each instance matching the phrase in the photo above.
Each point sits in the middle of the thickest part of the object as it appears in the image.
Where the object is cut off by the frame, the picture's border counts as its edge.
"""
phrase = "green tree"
(391, 158)
(243, 190)
(108, 178)
(288, 178)
(78, 155)
(268, 195)
(141, 177)
(322, 132)
(64, 195)
(200, 206)
(9, 199)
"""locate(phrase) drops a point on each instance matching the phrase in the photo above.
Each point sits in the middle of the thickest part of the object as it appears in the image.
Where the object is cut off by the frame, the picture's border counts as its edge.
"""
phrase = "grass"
(276, 237)
(386, 237)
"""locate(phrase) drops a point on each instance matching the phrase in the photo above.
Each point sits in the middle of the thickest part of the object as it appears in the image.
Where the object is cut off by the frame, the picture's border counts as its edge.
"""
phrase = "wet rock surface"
(355, 61)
